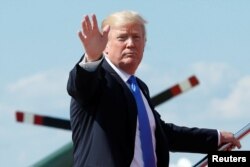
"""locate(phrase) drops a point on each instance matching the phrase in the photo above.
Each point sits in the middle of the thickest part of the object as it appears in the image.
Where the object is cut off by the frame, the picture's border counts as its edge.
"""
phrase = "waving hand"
(94, 41)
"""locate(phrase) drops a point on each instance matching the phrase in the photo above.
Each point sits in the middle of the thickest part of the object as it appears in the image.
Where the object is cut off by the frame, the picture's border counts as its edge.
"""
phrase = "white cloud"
(155, 78)
(236, 104)
(182, 162)
(43, 83)
(222, 97)
(212, 73)
(43, 92)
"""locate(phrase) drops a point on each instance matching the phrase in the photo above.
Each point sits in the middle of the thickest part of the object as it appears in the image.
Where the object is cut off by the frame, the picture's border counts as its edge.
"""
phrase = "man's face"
(125, 46)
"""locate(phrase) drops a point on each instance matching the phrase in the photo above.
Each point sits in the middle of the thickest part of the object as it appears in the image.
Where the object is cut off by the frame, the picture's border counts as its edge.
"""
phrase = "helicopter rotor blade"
(175, 90)
(36, 119)
(168, 94)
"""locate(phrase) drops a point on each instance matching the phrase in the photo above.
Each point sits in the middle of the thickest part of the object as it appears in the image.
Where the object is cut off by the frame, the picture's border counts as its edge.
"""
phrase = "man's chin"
(130, 59)
(131, 62)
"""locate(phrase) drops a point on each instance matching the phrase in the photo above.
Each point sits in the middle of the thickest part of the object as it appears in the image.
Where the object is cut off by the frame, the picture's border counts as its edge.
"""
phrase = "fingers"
(236, 142)
(86, 25)
(81, 36)
(90, 29)
(86, 28)
(228, 137)
(105, 31)
(95, 25)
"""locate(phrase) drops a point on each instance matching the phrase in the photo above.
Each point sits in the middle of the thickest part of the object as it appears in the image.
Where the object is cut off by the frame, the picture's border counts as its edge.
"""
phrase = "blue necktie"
(144, 126)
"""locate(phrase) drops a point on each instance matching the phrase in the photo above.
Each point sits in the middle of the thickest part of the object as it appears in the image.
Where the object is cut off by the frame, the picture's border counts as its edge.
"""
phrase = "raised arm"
(93, 40)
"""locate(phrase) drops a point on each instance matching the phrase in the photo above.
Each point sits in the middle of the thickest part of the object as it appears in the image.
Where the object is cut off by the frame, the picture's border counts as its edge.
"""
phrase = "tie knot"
(132, 82)
(132, 79)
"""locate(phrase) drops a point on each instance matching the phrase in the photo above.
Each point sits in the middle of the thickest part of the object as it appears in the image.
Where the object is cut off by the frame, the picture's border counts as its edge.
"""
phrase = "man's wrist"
(88, 59)
(90, 66)
(219, 137)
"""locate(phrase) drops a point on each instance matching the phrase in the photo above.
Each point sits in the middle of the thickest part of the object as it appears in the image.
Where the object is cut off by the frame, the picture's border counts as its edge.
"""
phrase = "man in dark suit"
(105, 112)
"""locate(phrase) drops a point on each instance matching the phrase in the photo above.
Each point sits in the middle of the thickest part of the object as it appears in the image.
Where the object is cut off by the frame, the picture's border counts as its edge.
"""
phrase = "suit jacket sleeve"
(184, 139)
(195, 140)
(81, 80)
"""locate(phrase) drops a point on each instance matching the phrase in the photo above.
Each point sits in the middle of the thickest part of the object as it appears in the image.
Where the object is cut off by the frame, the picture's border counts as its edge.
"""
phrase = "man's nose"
(130, 42)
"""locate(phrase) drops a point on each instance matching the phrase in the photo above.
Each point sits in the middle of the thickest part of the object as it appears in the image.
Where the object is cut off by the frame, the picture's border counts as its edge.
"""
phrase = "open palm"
(94, 41)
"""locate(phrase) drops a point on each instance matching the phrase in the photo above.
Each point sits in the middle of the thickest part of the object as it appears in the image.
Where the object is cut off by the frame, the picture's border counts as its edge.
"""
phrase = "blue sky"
(39, 46)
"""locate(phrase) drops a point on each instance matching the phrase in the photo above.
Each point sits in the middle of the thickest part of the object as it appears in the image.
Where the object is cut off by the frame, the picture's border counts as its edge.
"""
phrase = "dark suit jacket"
(103, 121)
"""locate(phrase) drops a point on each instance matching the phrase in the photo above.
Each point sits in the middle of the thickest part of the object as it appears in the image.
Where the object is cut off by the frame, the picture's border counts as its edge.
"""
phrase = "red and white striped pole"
(175, 90)
(42, 120)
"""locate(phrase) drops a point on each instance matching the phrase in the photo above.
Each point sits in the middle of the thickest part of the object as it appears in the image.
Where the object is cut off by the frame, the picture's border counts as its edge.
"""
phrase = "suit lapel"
(132, 113)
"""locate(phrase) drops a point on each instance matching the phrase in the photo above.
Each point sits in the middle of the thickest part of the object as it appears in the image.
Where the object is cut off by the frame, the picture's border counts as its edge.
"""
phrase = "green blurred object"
(63, 157)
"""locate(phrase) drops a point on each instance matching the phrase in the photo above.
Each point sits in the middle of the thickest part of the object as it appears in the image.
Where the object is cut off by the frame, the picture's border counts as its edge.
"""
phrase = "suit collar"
(129, 97)
(124, 76)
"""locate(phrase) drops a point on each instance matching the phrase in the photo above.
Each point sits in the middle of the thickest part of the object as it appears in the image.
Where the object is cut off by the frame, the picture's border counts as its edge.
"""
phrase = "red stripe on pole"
(38, 120)
(19, 116)
(176, 90)
(241, 136)
(193, 80)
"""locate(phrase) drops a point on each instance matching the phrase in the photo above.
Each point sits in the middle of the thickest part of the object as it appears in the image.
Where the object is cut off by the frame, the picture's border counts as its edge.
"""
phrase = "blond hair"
(124, 17)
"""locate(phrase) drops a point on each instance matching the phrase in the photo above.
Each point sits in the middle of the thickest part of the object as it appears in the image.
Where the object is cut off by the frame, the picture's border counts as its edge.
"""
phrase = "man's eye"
(137, 37)
(122, 38)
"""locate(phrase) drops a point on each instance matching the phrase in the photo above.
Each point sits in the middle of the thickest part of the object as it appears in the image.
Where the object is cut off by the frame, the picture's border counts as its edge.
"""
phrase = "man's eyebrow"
(133, 32)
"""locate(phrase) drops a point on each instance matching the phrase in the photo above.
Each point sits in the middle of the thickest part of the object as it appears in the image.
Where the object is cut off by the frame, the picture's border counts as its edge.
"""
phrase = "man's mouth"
(130, 54)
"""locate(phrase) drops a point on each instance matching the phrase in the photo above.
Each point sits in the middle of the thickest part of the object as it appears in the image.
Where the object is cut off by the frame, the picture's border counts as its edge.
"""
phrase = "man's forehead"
(128, 28)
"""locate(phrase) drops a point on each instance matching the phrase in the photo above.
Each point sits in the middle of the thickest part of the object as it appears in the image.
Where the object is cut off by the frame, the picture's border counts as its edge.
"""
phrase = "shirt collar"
(124, 76)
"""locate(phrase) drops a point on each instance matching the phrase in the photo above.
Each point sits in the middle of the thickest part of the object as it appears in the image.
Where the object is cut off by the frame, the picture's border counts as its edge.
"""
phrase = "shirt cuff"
(89, 66)
(219, 139)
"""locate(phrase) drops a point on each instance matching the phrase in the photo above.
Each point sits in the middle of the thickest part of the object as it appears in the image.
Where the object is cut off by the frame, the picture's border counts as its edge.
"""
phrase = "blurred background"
(39, 46)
